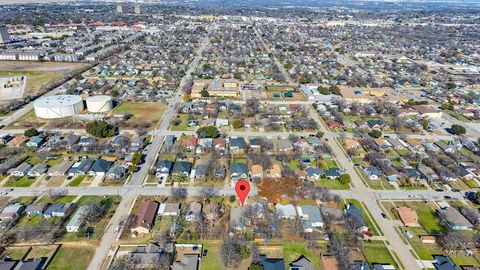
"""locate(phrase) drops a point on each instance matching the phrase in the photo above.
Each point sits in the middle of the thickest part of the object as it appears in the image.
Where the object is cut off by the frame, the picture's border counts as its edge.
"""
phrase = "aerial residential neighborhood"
(245, 135)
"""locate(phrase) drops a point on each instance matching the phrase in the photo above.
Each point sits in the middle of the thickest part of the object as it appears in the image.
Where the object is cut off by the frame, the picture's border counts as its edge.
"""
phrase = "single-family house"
(351, 143)
(17, 141)
(11, 212)
(444, 262)
(182, 168)
(353, 212)
(169, 141)
(100, 167)
(189, 143)
(200, 171)
(238, 171)
(116, 172)
(220, 144)
(314, 141)
(237, 144)
(212, 212)
(187, 262)
(376, 123)
(302, 263)
(361, 265)
(35, 142)
(332, 173)
(362, 124)
(373, 172)
(36, 209)
(72, 139)
(169, 209)
(221, 122)
(194, 211)
(284, 145)
(60, 169)
(311, 217)
(314, 173)
(81, 167)
(163, 168)
(408, 216)
(146, 257)
(286, 211)
(86, 141)
(78, 219)
(38, 170)
(275, 171)
(203, 145)
(144, 218)
(428, 173)
(20, 170)
(256, 171)
(454, 219)
(59, 210)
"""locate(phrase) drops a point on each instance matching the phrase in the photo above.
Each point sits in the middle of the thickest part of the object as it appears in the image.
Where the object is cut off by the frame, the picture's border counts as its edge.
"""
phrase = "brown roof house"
(351, 143)
(189, 143)
(408, 216)
(145, 217)
(17, 141)
(257, 171)
(275, 171)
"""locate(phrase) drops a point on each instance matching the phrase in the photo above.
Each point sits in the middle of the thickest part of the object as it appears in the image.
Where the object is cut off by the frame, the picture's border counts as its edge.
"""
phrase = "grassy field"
(35, 79)
(19, 182)
(14, 253)
(280, 88)
(331, 184)
(148, 113)
(292, 251)
(72, 258)
(213, 260)
(377, 252)
(77, 181)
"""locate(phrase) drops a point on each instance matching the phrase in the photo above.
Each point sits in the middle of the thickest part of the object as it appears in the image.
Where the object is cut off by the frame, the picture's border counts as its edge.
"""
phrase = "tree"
(204, 93)
(208, 132)
(335, 89)
(319, 134)
(178, 193)
(458, 129)
(376, 133)
(31, 132)
(230, 252)
(100, 129)
(324, 90)
(238, 123)
(345, 179)
(425, 124)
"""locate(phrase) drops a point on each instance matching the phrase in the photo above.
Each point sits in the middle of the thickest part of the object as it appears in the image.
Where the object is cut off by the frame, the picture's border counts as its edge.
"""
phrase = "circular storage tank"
(58, 106)
(96, 104)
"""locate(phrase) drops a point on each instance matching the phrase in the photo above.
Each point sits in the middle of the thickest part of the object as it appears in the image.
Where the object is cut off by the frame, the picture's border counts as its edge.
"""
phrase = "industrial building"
(58, 106)
(4, 38)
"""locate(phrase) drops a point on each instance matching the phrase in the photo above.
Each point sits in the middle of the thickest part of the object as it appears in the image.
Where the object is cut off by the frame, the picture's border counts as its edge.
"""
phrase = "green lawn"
(280, 87)
(331, 184)
(72, 258)
(426, 216)
(292, 251)
(425, 251)
(14, 253)
(19, 182)
(471, 183)
(366, 217)
(377, 252)
(77, 181)
(213, 260)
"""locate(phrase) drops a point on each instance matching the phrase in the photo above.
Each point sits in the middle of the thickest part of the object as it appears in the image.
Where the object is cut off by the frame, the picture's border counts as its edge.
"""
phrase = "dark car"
(447, 197)
(456, 190)
(383, 215)
(439, 190)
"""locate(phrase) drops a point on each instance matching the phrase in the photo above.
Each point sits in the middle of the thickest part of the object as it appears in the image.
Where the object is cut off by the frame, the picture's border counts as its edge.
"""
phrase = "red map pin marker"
(242, 188)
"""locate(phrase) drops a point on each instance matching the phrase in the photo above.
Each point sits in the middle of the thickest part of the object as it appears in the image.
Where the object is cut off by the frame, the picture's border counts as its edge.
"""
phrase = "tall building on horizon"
(119, 8)
(138, 9)
(4, 38)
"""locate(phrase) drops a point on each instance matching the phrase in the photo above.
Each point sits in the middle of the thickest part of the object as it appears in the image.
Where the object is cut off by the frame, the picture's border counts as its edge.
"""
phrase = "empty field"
(143, 114)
